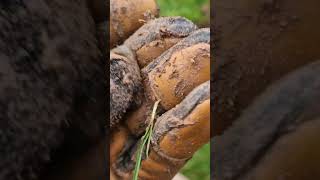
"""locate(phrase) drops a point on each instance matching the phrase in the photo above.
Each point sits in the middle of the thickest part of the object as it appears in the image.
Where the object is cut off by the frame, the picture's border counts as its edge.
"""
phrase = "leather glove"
(168, 60)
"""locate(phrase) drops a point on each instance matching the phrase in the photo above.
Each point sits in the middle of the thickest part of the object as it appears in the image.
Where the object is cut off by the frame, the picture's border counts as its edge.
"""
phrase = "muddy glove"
(166, 61)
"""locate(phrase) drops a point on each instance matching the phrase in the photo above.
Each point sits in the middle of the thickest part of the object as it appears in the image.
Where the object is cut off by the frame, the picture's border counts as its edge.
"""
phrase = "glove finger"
(125, 83)
(118, 140)
(273, 134)
(156, 36)
(177, 135)
(126, 16)
(172, 76)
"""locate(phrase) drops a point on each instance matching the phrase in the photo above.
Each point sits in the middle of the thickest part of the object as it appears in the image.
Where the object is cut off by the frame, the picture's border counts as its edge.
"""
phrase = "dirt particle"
(193, 62)
(174, 74)
(178, 90)
(123, 10)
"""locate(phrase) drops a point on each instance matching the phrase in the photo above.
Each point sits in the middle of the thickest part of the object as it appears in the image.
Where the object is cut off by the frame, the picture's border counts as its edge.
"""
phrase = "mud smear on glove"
(125, 83)
(158, 35)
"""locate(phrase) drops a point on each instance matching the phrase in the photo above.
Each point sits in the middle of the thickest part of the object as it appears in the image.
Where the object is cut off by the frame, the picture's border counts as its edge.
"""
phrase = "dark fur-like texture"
(51, 80)
(125, 83)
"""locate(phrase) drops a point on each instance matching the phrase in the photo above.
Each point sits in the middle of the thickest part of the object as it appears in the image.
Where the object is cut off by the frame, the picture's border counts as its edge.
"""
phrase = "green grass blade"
(151, 125)
(138, 160)
(145, 139)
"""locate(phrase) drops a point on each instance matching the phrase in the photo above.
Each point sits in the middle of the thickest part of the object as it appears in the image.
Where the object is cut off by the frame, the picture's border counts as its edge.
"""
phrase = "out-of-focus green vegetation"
(196, 10)
(198, 168)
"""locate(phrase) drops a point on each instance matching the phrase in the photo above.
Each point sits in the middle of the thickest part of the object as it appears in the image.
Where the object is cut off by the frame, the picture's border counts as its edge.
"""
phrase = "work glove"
(152, 59)
(159, 75)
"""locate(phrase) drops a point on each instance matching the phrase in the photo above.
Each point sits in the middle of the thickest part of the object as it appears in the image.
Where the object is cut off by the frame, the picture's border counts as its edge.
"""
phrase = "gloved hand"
(165, 61)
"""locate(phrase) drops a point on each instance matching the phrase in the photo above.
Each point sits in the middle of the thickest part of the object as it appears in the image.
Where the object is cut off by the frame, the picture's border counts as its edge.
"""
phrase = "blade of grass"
(151, 123)
(145, 139)
(138, 160)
